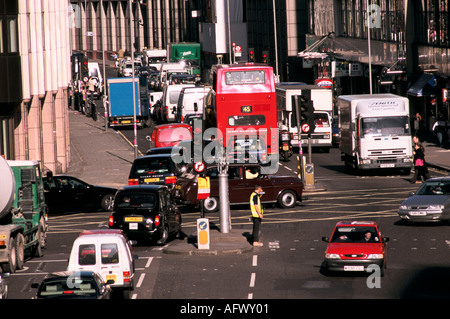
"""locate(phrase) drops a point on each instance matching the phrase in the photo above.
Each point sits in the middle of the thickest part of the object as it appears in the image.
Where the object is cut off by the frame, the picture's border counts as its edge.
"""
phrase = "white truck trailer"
(323, 107)
(375, 131)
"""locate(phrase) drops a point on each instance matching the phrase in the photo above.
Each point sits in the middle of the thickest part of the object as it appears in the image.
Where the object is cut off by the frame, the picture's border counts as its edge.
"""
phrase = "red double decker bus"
(242, 106)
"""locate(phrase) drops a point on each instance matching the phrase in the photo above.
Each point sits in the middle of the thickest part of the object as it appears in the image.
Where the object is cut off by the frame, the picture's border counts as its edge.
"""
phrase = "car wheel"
(107, 202)
(211, 205)
(287, 199)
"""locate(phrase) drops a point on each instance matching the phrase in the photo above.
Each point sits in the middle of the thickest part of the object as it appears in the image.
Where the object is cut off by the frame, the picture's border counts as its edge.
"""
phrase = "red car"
(354, 246)
(170, 134)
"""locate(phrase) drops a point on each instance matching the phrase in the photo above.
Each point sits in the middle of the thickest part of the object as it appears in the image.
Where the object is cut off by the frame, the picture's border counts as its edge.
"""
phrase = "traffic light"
(84, 67)
(251, 55)
(307, 114)
(265, 56)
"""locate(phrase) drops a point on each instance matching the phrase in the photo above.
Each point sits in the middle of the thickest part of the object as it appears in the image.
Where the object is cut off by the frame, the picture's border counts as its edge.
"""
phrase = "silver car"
(431, 202)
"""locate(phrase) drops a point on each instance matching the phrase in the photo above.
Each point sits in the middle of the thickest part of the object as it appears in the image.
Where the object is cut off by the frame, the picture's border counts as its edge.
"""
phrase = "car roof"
(176, 125)
(441, 178)
(100, 237)
(66, 273)
(141, 188)
(159, 155)
(356, 223)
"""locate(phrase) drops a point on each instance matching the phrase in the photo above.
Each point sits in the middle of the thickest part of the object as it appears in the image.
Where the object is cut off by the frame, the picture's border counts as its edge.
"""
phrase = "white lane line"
(141, 279)
(255, 261)
(252, 280)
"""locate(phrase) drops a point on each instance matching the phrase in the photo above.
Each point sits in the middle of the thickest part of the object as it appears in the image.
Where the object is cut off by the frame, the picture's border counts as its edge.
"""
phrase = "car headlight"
(332, 256)
(404, 207)
(436, 207)
(375, 256)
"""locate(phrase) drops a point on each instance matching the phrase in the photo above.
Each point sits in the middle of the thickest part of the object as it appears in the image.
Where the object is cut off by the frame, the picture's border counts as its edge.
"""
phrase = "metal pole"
(103, 31)
(275, 40)
(299, 138)
(225, 221)
(132, 77)
(368, 44)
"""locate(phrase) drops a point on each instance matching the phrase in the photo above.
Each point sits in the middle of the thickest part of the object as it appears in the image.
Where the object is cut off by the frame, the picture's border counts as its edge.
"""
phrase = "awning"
(424, 86)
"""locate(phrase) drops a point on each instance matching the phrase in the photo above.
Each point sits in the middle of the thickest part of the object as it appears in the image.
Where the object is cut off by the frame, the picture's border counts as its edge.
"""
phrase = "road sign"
(203, 233)
(199, 167)
(203, 187)
(238, 51)
(305, 128)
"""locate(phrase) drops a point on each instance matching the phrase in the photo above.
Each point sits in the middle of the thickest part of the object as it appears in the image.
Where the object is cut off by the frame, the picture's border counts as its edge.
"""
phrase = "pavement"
(104, 157)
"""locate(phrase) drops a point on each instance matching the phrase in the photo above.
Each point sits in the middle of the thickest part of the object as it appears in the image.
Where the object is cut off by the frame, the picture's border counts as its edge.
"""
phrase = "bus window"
(245, 77)
(246, 120)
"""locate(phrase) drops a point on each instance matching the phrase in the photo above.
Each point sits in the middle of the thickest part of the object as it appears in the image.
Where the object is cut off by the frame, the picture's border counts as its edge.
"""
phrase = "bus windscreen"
(245, 77)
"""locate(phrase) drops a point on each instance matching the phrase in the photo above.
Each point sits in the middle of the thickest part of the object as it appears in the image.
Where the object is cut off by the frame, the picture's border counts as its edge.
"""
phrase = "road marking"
(252, 280)
(255, 261)
(141, 279)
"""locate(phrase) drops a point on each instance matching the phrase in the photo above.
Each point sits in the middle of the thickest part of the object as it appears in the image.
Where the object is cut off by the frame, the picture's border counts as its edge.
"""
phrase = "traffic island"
(235, 242)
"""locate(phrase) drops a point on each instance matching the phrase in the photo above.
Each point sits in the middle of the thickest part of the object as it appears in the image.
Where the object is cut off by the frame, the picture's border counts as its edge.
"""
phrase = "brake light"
(171, 179)
(126, 276)
(111, 221)
(157, 221)
(133, 181)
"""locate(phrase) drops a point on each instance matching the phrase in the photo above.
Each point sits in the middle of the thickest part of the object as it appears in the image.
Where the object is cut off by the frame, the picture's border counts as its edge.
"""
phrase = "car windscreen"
(355, 234)
(174, 135)
(143, 200)
(152, 166)
(434, 188)
(69, 287)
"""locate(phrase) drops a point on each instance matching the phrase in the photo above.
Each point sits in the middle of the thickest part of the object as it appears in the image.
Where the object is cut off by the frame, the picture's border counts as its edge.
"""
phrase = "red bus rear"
(242, 104)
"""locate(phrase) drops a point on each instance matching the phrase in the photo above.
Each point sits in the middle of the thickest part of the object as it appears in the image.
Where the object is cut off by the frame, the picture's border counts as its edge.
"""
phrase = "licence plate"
(111, 277)
(417, 213)
(353, 268)
(387, 165)
(151, 180)
(133, 219)
(133, 226)
(285, 148)
(126, 122)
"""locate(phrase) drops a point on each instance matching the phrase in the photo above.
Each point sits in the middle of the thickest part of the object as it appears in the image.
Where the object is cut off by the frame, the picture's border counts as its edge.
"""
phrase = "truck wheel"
(287, 199)
(10, 266)
(20, 251)
(40, 238)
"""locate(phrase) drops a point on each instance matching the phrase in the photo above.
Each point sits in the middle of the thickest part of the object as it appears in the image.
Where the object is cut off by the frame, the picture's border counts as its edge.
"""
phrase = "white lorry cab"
(190, 101)
(375, 131)
(108, 254)
(322, 98)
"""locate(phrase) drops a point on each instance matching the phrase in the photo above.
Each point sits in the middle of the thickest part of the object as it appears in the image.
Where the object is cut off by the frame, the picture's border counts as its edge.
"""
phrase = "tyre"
(107, 202)
(211, 205)
(10, 266)
(41, 236)
(287, 199)
(20, 250)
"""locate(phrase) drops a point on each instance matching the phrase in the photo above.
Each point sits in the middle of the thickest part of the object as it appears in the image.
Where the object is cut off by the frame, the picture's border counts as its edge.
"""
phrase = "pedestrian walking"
(418, 126)
(420, 166)
(257, 214)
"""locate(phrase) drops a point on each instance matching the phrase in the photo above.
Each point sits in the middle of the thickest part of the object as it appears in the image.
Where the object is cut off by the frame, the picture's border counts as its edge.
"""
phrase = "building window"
(387, 18)
(9, 42)
(431, 17)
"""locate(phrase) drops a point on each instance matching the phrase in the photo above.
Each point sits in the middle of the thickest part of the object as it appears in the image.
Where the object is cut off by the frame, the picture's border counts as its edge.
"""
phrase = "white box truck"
(322, 99)
(375, 131)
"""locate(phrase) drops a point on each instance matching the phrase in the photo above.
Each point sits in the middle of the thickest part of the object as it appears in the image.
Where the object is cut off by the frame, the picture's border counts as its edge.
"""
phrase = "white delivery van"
(375, 132)
(106, 253)
(190, 101)
(169, 100)
(323, 109)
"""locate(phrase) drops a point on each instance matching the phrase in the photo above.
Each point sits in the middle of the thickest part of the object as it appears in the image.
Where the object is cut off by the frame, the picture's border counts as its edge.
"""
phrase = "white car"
(106, 253)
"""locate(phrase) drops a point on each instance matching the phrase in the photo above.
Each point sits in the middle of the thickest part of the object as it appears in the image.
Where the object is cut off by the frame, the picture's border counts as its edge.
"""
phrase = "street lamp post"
(132, 78)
